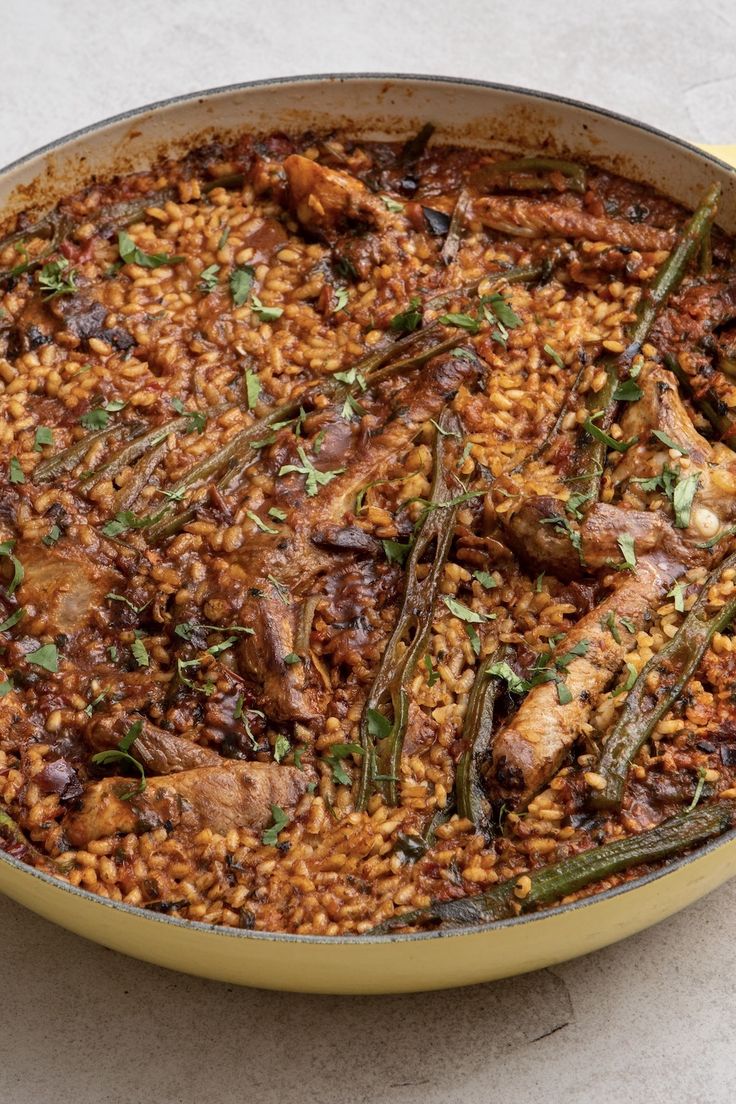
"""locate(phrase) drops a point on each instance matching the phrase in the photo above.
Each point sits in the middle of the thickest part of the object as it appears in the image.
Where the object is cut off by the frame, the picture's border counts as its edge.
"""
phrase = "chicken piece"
(159, 751)
(60, 587)
(649, 530)
(534, 219)
(269, 659)
(661, 408)
(528, 752)
(325, 200)
(538, 530)
(232, 795)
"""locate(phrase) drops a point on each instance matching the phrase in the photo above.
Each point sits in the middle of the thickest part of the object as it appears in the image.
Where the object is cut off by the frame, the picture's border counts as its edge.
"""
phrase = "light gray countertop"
(652, 1019)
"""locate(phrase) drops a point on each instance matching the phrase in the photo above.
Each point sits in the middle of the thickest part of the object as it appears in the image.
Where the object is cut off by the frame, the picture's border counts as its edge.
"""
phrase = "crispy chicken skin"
(232, 795)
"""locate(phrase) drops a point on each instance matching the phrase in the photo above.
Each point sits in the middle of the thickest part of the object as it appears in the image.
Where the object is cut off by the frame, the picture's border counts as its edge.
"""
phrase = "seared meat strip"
(529, 750)
(534, 219)
(159, 751)
(232, 795)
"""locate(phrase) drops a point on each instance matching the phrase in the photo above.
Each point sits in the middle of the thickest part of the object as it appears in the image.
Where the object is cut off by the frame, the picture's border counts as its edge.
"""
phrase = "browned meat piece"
(533, 219)
(233, 795)
(268, 657)
(693, 314)
(661, 408)
(60, 587)
(530, 749)
(649, 530)
(537, 530)
(159, 751)
(325, 200)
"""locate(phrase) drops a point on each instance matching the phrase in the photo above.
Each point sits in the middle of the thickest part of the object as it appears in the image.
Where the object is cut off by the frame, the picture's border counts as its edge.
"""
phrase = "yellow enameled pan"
(375, 106)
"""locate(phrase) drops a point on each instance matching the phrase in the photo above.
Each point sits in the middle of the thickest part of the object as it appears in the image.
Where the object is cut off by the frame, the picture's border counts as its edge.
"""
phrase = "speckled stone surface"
(650, 1020)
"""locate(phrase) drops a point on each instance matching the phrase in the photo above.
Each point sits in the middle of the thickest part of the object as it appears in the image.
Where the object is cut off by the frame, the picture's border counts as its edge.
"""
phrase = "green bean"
(382, 738)
(707, 402)
(531, 167)
(563, 878)
(591, 455)
(644, 708)
(454, 233)
(670, 275)
(68, 458)
(140, 477)
(136, 448)
(477, 731)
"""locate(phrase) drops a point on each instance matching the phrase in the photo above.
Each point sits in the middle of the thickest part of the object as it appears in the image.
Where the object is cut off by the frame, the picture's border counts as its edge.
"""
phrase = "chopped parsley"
(698, 790)
(554, 356)
(395, 551)
(564, 526)
(252, 388)
(52, 536)
(462, 321)
(337, 753)
(564, 696)
(265, 314)
(12, 620)
(409, 320)
(682, 498)
(56, 278)
(605, 438)
(15, 471)
(626, 544)
(130, 253)
(281, 747)
(276, 514)
(627, 390)
(291, 658)
(6, 687)
(140, 653)
(432, 675)
(341, 300)
(314, 477)
(628, 684)
(513, 681)
(678, 594)
(240, 282)
(392, 205)
(197, 420)
(271, 836)
(668, 442)
(474, 639)
(379, 727)
(485, 579)
(121, 754)
(610, 624)
(6, 549)
(43, 436)
(457, 609)
(259, 523)
(208, 279)
(46, 656)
